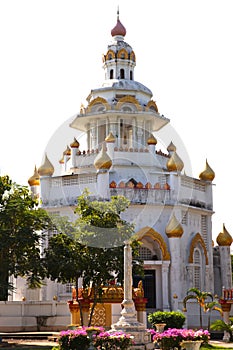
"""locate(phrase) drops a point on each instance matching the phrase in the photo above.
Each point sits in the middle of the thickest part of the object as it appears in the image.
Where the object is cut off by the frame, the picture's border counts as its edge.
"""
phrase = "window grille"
(197, 269)
(204, 229)
(145, 253)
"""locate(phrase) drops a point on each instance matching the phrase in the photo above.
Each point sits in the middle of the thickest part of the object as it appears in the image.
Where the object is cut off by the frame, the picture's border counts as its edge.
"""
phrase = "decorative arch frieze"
(110, 55)
(122, 54)
(132, 56)
(152, 105)
(98, 100)
(128, 99)
(197, 239)
(150, 232)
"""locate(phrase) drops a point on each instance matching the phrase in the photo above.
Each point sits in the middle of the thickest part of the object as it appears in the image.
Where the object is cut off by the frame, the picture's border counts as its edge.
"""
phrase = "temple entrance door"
(148, 282)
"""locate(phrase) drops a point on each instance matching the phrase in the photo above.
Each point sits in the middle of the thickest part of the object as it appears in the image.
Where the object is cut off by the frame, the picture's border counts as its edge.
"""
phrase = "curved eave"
(81, 122)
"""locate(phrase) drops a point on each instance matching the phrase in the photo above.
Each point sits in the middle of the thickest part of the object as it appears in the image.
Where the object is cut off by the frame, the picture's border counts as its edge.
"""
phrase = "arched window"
(122, 73)
(111, 74)
(131, 75)
(197, 269)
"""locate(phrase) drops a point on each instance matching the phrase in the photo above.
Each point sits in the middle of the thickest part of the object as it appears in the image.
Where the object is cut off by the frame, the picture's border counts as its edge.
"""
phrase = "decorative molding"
(150, 232)
(150, 104)
(98, 100)
(128, 99)
(197, 239)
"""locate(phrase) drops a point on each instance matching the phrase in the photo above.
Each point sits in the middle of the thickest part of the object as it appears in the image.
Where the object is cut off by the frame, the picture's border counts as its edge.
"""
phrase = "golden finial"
(46, 169)
(224, 238)
(175, 163)
(34, 180)
(208, 174)
(103, 161)
(174, 228)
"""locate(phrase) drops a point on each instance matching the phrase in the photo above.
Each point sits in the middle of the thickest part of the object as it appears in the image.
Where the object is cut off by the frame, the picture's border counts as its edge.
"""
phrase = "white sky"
(51, 57)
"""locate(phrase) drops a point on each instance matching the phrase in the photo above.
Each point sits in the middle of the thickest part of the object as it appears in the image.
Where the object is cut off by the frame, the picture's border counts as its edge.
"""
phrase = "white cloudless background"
(51, 57)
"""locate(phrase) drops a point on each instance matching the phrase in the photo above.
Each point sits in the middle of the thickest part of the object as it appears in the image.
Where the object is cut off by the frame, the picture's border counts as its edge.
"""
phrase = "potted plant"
(172, 319)
(175, 337)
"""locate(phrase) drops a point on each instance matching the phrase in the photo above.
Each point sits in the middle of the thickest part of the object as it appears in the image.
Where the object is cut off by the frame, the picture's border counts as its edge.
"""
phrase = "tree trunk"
(78, 301)
(4, 277)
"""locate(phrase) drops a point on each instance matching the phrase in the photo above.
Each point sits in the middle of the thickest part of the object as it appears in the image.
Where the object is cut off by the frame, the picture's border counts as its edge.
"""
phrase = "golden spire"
(175, 163)
(110, 138)
(171, 147)
(34, 180)
(224, 238)
(103, 161)
(74, 144)
(151, 140)
(174, 228)
(46, 169)
(67, 152)
(208, 174)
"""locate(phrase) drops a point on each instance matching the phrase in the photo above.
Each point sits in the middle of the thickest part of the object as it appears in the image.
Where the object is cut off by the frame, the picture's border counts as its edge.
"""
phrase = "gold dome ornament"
(174, 228)
(74, 144)
(175, 163)
(224, 238)
(103, 161)
(46, 169)
(151, 140)
(110, 138)
(171, 147)
(208, 174)
(34, 180)
(67, 152)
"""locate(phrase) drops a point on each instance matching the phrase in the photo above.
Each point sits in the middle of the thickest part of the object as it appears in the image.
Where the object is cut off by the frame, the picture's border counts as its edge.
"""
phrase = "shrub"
(82, 338)
(173, 337)
(173, 319)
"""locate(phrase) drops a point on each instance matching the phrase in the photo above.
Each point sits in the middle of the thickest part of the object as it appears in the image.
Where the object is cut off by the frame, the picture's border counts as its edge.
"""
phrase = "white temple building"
(172, 212)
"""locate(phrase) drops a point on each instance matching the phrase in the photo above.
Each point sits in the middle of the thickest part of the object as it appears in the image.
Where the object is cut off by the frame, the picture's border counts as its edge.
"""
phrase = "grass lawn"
(215, 347)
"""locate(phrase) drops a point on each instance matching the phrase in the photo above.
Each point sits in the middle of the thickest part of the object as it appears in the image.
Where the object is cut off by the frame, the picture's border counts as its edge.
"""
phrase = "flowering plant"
(73, 339)
(173, 337)
(113, 341)
(81, 338)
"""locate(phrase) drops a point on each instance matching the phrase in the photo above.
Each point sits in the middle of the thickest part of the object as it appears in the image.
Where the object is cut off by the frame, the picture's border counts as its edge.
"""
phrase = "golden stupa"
(175, 163)
(174, 228)
(34, 180)
(207, 174)
(103, 161)
(224, 238)
(46, 169)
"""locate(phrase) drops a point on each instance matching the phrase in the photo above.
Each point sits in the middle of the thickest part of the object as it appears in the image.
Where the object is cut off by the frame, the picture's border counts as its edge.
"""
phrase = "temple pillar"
(165, 270)
(128, 322)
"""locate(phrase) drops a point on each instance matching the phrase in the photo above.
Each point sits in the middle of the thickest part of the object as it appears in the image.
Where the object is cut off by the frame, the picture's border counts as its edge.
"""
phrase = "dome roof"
(110, 138)
(175, 163)
(34, 180)
(151, 140)
(174, 228)
(224, 238)
(171, 147)
(46, 169)
(208, 174)
(103, 161)
(67, 152)
(119, 29)
(74, 144)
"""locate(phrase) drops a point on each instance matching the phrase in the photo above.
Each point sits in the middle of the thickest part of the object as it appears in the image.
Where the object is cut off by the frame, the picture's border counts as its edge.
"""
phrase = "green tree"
(22, 225)
(200, 297)
(93, 249)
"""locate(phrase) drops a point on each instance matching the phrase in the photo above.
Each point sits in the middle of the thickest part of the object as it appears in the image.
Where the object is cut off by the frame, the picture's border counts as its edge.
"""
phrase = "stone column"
(226, 272)
(165, 269)
(128, 322)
